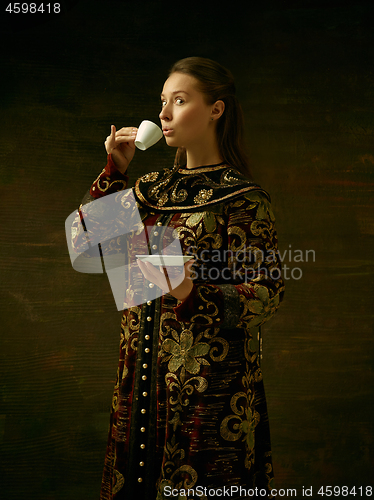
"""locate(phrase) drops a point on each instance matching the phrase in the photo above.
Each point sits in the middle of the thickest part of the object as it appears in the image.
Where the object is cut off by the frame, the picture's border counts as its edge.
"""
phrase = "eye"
(163, 103)
(179, 100)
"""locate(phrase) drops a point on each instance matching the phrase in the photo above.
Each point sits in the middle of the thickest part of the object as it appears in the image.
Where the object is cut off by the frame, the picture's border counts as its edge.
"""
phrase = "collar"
(186, 189)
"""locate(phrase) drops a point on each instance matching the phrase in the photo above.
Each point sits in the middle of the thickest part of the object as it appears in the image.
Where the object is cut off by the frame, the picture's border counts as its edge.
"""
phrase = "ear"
(217, 110)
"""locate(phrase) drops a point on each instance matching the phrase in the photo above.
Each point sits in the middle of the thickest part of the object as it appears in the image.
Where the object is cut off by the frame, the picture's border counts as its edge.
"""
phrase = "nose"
(165, 113)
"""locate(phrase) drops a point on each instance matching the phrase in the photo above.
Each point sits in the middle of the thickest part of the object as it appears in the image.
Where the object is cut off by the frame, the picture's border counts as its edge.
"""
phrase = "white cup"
(148, 134)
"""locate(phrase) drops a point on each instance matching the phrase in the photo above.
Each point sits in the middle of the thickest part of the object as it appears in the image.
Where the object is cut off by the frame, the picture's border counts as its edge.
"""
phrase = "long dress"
(189, 417)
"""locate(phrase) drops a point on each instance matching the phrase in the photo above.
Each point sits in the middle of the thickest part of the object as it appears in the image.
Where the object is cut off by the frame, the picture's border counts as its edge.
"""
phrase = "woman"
(189, 415)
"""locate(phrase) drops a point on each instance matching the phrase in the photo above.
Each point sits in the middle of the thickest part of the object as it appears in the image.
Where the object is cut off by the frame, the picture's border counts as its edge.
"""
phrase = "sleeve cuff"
(109, 181)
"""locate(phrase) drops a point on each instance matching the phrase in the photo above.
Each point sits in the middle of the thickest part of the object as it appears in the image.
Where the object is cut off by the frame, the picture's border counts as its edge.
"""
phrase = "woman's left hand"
(177, 288)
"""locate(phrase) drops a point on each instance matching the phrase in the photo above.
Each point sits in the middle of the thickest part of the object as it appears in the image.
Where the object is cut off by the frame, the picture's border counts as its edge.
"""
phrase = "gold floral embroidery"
(150, 177)
(210, 308)
(263, 307)
(168, 326)
(185, 353)
(194, 219)
(200, 186)
(237, 203)
(183, 477)
(264, 229)
(208, 218)
(184, 389)
(178, 196)
(263, 205)
(214, 352)
(235, 230)
(163, 199)
(203, 196)
(106, 184)
(186, 234)
(242, 421)
(229, 178)
(134, 316)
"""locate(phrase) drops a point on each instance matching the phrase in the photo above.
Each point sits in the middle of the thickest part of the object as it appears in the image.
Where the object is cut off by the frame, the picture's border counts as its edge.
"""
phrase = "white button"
(151, 285)
(142, 446)
(141, 464)
(145, 365)
(140, 479)
(149, 303)
(147, 337)
(155, 233)
(154, 247)
(146, 350)
(142, 429)
(159, 224)
(144, 377)
(149, 318)
(143, 410)
(145, 394)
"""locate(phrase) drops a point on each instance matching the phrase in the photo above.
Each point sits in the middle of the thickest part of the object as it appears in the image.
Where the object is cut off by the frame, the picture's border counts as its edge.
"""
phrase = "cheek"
(193, 119)
(185, 116)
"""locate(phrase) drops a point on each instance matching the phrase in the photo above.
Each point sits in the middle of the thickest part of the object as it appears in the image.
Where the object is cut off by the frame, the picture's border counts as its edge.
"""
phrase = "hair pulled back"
(217, 83)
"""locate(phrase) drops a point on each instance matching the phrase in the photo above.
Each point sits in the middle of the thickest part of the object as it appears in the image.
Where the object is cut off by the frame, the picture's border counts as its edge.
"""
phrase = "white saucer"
(165, 260)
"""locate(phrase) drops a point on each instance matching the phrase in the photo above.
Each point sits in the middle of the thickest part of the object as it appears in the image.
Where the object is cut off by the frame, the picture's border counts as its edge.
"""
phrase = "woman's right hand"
(121, 145)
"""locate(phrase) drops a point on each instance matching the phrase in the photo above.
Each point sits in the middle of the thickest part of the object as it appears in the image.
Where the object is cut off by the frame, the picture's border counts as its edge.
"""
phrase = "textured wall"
(304, 72)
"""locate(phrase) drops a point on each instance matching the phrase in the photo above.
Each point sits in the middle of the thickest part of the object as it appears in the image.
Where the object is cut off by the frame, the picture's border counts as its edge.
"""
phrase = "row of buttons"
(155, 233)
(143, 411)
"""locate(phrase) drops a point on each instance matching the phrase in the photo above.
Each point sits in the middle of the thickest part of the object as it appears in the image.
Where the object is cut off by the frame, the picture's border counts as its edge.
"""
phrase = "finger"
(154, 271)
(147, 272)
(125, 138)
(112, 136)
(157, 277)
(144, 269)
(127, 132)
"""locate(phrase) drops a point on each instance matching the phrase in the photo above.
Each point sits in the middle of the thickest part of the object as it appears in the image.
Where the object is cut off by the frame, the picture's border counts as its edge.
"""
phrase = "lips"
(167, 131)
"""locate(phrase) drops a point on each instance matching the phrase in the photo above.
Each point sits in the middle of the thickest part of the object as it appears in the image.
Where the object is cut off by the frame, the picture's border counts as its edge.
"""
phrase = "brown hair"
(217, 83)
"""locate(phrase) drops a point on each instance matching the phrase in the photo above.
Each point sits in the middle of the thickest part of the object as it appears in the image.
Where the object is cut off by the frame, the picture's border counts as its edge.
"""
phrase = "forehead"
(180, 82)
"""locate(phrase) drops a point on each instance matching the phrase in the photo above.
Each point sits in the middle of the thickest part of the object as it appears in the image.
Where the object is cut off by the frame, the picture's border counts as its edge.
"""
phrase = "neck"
(195, 162)
(206, 153)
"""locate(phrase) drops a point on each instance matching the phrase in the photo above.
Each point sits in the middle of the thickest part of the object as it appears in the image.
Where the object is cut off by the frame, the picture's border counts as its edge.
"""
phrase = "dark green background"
(304, 72)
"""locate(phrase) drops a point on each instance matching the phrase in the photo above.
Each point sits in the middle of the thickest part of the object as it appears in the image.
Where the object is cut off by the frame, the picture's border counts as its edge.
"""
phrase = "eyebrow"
(176, 92)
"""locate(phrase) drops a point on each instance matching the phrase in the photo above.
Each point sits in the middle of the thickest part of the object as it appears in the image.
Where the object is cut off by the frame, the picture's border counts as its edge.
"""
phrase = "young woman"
(189, 414)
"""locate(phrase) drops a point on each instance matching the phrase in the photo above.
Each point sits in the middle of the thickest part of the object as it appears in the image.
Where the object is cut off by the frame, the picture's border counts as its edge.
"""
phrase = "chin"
(170, 141)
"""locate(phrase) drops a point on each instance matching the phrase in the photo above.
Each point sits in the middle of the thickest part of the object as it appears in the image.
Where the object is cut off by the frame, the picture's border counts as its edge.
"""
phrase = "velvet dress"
(189, 417)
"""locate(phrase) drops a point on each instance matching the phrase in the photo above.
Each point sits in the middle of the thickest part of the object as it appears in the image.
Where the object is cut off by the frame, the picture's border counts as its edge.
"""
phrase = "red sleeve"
(109, 181)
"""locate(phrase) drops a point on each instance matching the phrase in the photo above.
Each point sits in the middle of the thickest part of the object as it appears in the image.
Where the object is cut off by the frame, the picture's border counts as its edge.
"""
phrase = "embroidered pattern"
(181, 189)
(203, 196)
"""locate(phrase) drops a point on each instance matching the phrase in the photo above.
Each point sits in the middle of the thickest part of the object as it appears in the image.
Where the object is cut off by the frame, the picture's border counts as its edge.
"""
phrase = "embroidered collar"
(191, 189)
